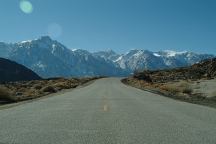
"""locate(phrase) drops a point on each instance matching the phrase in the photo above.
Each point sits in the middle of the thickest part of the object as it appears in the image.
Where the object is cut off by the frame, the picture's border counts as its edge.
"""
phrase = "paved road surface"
(108, 112)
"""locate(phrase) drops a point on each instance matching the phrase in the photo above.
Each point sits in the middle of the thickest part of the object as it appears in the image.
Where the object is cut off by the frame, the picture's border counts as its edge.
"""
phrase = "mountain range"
(49, 58)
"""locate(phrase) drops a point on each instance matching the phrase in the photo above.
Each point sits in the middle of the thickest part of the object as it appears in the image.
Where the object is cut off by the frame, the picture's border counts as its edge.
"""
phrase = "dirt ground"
(205, 87)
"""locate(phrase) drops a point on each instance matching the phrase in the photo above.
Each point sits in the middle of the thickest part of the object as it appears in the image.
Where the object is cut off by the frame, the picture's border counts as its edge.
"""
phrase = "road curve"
(108, 112)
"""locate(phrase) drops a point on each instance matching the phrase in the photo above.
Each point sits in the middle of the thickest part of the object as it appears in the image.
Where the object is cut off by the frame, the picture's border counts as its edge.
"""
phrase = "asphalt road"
(108, 112)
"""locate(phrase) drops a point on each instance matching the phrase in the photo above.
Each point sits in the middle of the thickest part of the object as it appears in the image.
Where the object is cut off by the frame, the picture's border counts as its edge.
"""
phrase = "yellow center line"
(105, 104)
(105, 108)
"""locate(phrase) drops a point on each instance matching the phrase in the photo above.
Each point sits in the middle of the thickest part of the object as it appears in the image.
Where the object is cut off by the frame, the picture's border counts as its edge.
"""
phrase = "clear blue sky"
(120, 25)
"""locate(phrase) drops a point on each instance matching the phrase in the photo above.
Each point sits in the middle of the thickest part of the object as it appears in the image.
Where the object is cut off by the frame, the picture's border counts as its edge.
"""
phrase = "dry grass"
(213, 96)
(65, 85)
(5, 94)
(170, 88)
(187, 90)
(180, 87)
(24, 90)
(37, 86)
(185, 87)
(181, 90)
(49, 89)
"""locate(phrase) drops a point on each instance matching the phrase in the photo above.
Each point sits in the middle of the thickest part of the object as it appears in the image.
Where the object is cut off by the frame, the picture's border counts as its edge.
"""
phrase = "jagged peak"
(110, 51)
(45, 39)
(80, 51)
(42, 38)
(136, 51)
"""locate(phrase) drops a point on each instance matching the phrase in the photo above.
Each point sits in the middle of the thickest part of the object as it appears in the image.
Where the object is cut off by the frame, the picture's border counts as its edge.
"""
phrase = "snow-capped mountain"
(49, 58)
(139, 60)
(144, 59)
(107, 55)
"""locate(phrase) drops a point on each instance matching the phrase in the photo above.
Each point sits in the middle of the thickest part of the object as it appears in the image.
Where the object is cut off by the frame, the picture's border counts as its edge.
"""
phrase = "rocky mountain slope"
(205, 69)
(49, 58)
(11, 71)
(144, 59)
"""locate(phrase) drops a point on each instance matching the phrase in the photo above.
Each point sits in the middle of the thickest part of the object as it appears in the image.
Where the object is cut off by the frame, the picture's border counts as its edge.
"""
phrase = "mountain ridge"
(50, 58)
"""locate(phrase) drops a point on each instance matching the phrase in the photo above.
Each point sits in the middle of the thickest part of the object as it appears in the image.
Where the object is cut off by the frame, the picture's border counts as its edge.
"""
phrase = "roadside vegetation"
(177, 87)
(175, 90)
(5, 94)
(213, 96)
(191, 84)
(24, 90)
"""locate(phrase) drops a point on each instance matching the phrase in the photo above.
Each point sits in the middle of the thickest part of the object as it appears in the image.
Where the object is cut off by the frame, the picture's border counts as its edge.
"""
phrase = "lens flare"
(26, 6)
(54, 30)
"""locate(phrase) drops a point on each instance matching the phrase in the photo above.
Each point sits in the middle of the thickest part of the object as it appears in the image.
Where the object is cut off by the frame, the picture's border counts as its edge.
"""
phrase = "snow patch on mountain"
(157, 55)
(74, 50)
(40, 65)
(27, 41)
(171, 53)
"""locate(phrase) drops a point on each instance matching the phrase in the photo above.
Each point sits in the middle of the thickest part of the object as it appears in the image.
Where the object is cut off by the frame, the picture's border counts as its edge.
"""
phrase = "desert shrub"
(74, 85)
(50, 89)
(213, 94)
(51, 81)
(37, 86)
(185, 87)
(187, 90)
(21, 89)
(25, 85)
(62, 85)
(183, 84)
(5, 94)
(31, 92)
(213, 98)
(143, 76)
(31, 83)
(171, 89)
(163, 87)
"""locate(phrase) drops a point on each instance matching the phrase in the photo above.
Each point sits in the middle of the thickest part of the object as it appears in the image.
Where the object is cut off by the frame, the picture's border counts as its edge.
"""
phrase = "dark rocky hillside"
(204, 69)
(12, 71)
